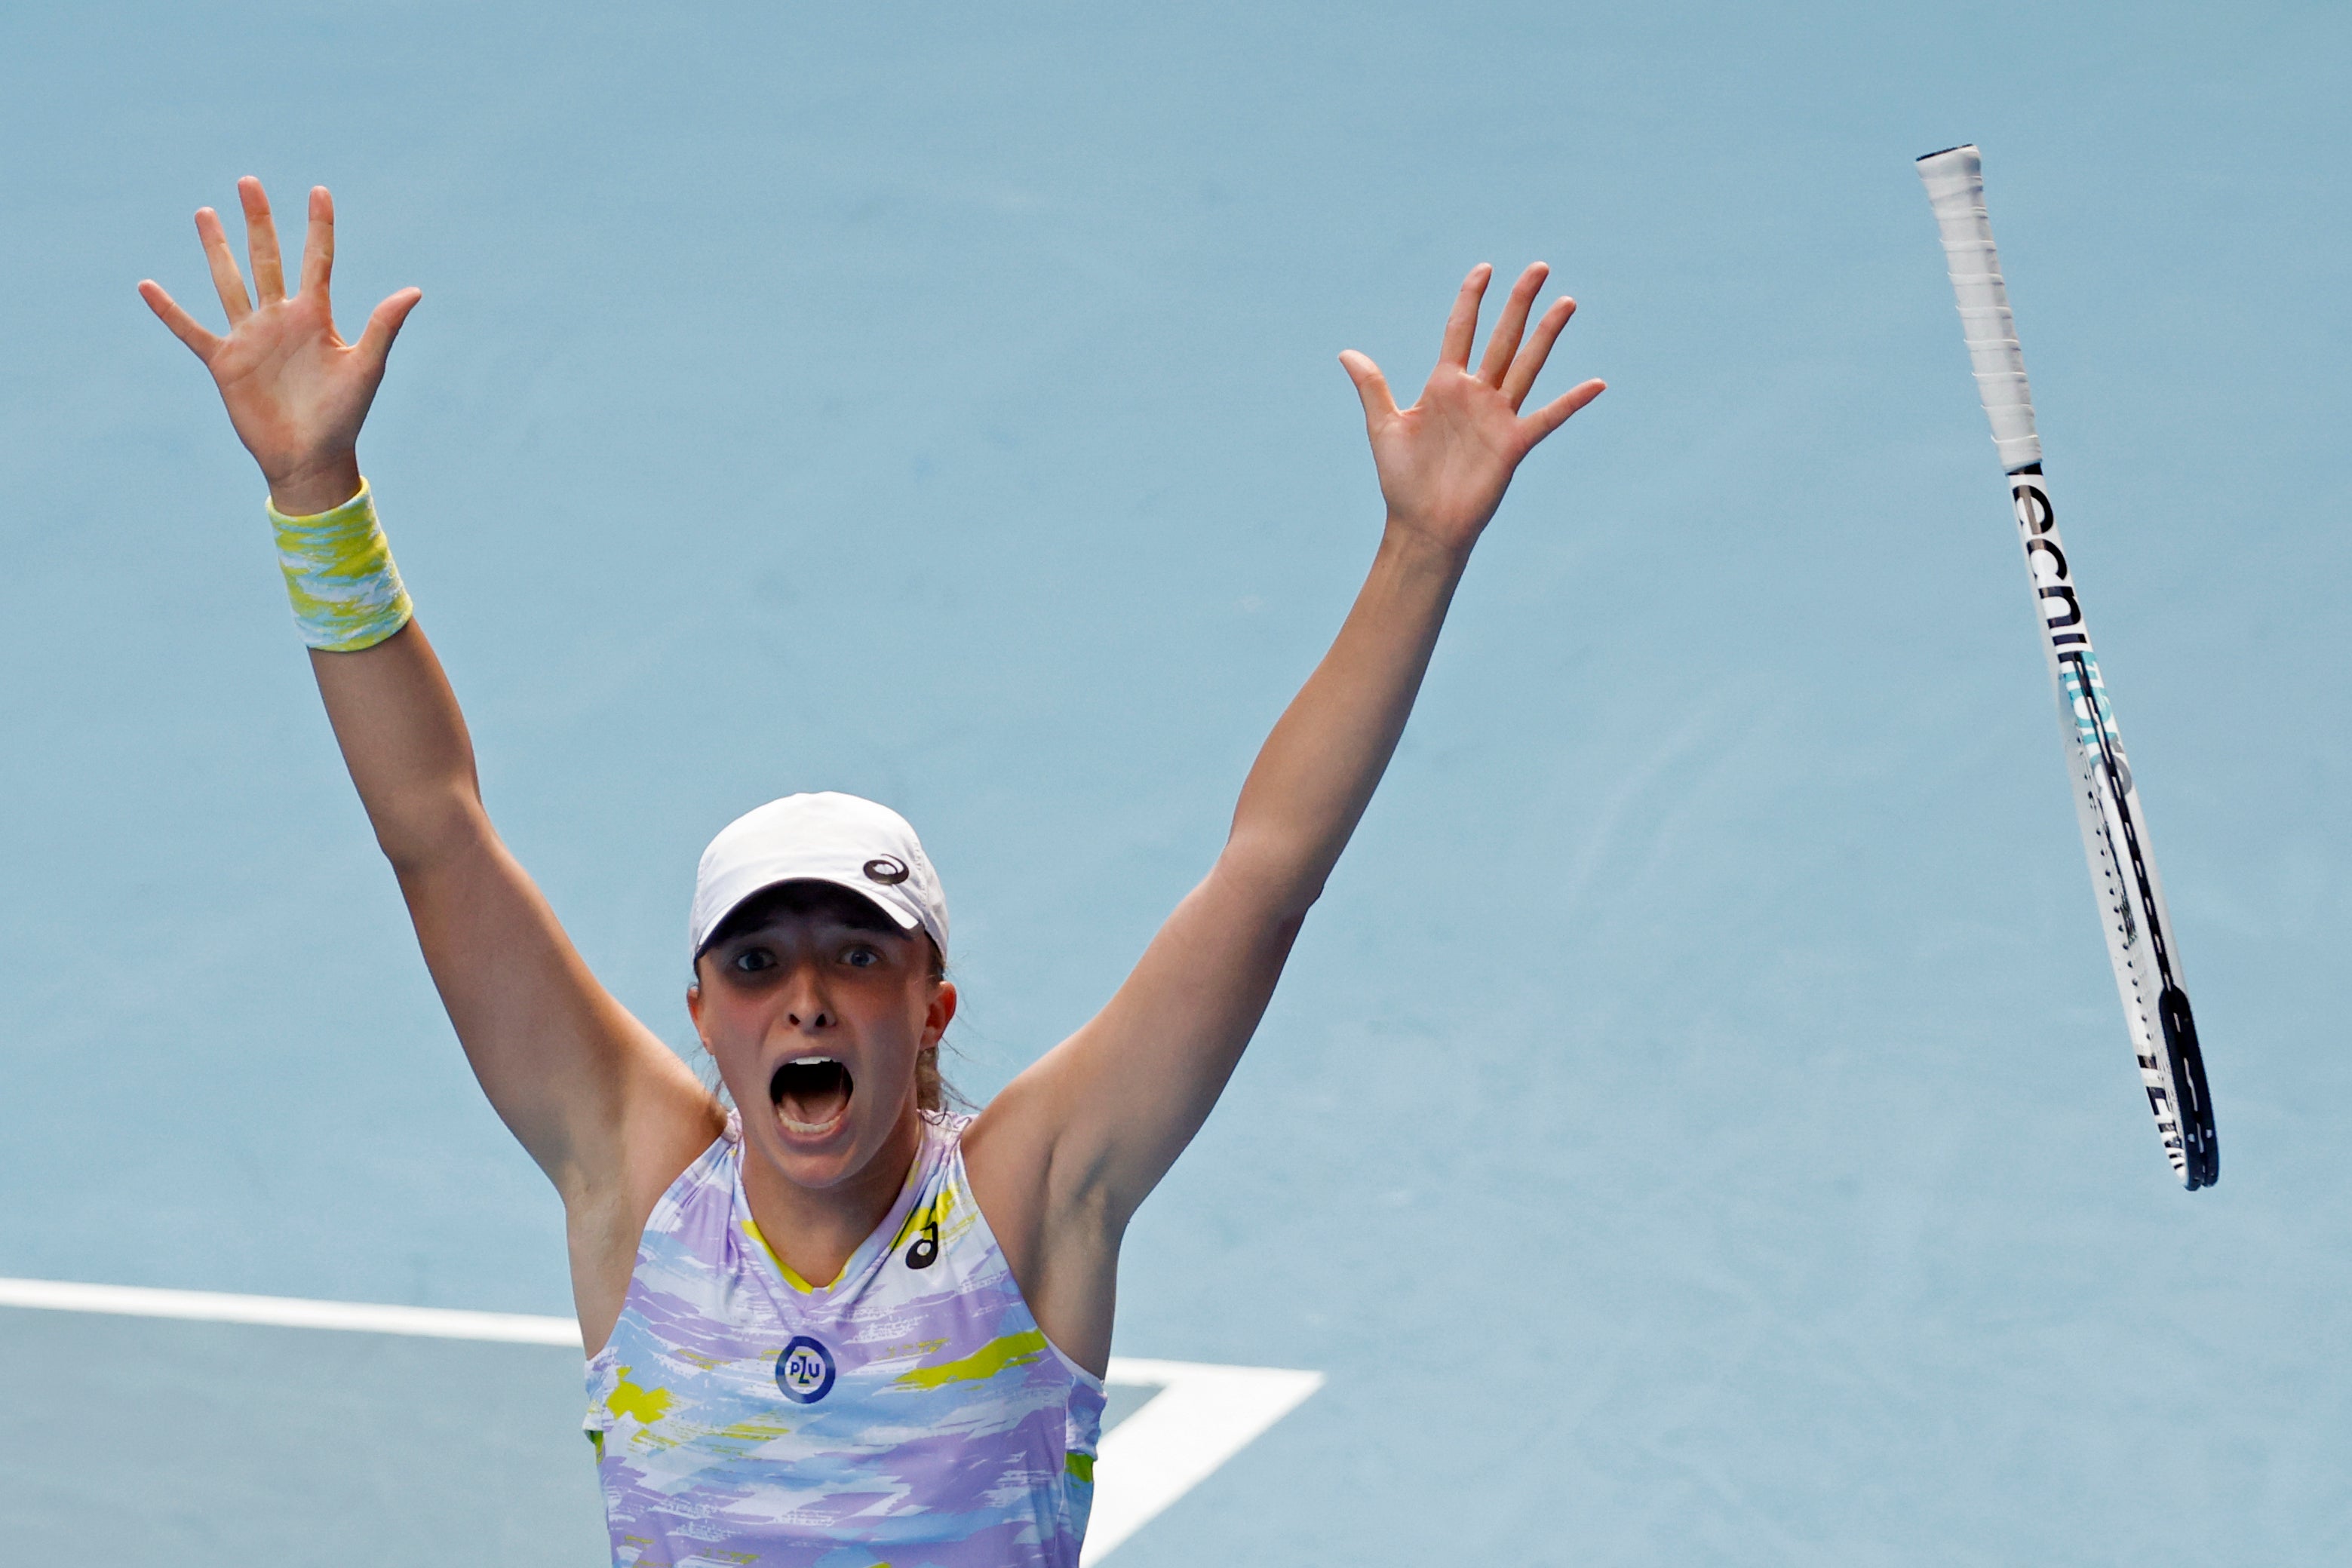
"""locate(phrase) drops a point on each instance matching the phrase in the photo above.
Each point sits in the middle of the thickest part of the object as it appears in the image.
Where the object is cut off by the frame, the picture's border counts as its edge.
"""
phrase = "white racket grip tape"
(1955, 182)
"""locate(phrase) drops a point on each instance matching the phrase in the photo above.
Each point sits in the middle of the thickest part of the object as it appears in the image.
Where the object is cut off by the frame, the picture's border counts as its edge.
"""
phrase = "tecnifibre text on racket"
(2114, 834)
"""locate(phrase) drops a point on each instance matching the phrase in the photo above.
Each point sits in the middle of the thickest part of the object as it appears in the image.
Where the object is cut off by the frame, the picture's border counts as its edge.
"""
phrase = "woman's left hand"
(296, 392)
(1445, 462)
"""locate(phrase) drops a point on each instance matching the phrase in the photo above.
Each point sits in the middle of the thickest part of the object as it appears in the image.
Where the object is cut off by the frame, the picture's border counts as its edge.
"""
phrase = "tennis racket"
(2140, 943)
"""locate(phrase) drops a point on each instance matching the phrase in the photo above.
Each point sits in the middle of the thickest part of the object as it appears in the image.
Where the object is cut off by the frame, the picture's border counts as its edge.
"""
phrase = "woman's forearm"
(405, 743)
(395, 716)
(1444, 465)
(1318, 769)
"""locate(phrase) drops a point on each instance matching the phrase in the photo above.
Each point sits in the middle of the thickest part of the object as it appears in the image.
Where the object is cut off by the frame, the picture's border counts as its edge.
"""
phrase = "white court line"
(287, 1313)
(1202, 1416)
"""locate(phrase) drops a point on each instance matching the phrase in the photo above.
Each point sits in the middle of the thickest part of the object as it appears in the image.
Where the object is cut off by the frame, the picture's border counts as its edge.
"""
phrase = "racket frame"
(2134, 918)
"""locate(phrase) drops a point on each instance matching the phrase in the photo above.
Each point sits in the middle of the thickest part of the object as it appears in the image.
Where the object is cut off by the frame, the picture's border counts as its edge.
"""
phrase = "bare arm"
(600, 1102)
(580, 1083)
(1063, 1157)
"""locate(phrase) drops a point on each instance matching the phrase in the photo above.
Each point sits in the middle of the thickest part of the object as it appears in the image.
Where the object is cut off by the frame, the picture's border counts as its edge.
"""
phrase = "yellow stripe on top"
(751, 1229)
(346, 592)
(1011, 1350)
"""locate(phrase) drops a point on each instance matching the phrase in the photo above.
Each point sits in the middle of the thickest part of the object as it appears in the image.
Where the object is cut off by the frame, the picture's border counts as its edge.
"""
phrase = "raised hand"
(295, 391)
(1445, 462)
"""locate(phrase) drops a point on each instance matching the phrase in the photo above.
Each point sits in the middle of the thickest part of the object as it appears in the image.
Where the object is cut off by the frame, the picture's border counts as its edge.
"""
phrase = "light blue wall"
(1698, 1126)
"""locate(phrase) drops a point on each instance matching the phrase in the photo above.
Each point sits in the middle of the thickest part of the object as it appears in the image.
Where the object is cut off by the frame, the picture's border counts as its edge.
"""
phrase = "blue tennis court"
(1696, 1126)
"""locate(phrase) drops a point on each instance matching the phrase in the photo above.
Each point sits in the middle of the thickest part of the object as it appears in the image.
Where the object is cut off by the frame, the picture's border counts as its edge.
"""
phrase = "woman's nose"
(804, 1004)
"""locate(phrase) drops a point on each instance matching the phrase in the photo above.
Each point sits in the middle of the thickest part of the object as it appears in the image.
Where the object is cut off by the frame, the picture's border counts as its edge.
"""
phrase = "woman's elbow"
(431, 830)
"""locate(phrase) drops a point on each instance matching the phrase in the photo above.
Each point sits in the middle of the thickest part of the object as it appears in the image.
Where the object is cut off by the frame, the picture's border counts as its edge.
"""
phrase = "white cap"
(841, 839)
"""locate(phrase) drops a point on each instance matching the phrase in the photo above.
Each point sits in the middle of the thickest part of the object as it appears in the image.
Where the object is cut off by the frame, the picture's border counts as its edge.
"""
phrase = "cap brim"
(905, 919)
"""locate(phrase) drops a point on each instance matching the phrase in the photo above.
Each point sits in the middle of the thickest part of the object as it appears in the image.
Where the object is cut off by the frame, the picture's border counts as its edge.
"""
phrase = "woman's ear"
(941, 1013)
(694, 1011)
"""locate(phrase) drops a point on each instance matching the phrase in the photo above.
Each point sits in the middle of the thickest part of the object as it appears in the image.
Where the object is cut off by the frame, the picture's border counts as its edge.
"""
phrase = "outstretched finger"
(384, 326)
(1462, 326)
(227, 282)
(184, 326)
(261, 243)
(1513, 321)
(1521, 378)
(1380, 404)
(1554, 415)
(319, 243)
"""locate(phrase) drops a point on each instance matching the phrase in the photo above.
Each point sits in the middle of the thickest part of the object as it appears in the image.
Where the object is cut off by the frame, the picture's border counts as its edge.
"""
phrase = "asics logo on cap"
(887, 870)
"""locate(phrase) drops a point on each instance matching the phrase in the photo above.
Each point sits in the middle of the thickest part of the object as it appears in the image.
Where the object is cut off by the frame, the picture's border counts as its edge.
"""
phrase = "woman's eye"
(755, 959)
(861, 957)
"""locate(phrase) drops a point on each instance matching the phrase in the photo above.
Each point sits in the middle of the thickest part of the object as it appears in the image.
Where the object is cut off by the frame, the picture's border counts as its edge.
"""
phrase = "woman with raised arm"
(837, 1325)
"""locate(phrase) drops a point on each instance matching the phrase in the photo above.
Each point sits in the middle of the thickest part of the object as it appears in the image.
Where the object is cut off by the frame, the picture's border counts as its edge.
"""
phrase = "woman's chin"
(823, 1140)
(819, 1154)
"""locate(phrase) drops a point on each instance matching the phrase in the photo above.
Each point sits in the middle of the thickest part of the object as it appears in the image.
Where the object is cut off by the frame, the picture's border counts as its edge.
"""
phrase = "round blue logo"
(805, 1370)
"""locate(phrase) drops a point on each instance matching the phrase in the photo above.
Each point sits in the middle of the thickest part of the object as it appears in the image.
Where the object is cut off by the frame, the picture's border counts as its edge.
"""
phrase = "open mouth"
(811, 1094)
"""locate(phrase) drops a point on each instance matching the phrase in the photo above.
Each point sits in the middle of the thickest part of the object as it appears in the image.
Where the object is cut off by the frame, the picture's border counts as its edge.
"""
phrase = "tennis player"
(830, 1324)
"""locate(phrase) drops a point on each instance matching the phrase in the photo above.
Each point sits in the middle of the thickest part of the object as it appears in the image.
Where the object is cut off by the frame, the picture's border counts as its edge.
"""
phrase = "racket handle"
(1955, 182)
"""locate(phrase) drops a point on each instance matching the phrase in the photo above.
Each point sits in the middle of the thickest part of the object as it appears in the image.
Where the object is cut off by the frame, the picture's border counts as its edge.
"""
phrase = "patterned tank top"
(911, 1414)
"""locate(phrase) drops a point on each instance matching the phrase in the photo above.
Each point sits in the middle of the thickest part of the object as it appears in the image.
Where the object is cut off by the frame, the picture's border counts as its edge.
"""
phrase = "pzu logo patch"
(805, 1370)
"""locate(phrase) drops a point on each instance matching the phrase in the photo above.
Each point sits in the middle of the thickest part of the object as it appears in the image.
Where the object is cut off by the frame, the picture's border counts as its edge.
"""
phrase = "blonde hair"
(934, 1095)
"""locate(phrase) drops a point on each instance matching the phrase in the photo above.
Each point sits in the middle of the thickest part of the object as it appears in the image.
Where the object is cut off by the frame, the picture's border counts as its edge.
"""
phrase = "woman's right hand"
(295, 391)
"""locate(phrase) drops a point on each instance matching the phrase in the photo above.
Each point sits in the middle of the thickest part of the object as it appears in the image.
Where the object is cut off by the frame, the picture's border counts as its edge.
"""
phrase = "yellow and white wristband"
(346, 591)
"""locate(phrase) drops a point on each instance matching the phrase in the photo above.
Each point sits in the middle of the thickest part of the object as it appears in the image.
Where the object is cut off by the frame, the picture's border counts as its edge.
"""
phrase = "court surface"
(1697, 1127)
